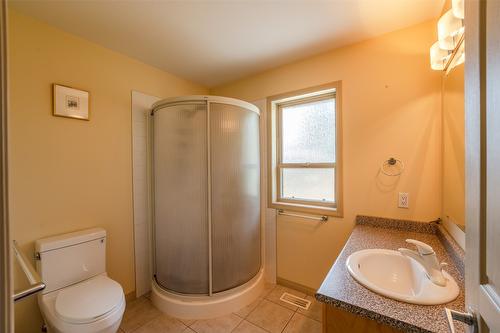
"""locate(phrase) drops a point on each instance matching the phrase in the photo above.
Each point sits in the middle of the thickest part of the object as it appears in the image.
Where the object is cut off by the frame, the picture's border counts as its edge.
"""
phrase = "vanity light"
(450, 29)
(458, 8)
(448, 52)
(439, 57)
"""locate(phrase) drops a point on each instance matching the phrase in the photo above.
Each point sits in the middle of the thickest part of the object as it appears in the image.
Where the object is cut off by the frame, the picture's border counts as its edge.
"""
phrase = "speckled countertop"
(339, 289)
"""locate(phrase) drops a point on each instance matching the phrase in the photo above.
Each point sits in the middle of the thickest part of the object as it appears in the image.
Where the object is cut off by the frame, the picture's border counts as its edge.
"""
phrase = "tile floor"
(268, 314)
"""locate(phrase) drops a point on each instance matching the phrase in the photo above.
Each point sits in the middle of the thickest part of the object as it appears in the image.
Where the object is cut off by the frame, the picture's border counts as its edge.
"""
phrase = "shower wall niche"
(206, 194)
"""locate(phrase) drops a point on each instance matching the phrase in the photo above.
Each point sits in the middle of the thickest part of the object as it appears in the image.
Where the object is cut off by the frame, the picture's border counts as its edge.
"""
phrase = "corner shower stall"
(206, 205)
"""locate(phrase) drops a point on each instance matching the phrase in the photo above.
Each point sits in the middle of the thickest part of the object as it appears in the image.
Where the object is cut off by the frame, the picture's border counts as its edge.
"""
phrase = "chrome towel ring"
(392, 167)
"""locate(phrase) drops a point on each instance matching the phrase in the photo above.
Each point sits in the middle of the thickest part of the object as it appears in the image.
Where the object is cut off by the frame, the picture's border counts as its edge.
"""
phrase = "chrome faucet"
(426, 257)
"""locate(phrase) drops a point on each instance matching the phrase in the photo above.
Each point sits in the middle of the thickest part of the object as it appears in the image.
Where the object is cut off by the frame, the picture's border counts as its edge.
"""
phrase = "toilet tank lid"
(64, 240)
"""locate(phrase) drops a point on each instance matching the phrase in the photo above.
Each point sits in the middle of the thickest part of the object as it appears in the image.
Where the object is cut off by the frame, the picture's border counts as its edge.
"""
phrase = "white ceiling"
(214, 42)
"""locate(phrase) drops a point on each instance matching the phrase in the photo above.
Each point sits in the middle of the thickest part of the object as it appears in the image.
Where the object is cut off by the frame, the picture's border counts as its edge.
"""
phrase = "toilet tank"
(70, 258)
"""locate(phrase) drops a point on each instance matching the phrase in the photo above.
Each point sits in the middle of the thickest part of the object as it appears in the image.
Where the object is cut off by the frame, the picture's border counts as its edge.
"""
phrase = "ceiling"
(215, 42)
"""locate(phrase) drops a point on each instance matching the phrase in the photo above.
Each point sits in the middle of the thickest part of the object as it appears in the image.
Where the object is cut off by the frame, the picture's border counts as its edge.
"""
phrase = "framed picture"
(70, 102)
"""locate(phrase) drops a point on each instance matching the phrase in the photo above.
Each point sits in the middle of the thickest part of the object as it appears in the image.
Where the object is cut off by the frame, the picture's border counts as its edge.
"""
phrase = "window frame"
(280, 165)
(275, 106)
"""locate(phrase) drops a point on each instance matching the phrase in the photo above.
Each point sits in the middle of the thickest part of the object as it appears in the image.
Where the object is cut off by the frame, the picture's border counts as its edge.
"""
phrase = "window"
(305, 150)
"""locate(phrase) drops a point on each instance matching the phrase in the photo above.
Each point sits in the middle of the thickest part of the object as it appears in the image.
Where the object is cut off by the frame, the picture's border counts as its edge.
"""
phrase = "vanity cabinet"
(336, 320)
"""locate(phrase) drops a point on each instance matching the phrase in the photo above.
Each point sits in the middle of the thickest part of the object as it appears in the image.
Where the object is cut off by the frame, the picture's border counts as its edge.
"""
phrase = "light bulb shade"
(439, 57)
(458, 8)
(450, 29)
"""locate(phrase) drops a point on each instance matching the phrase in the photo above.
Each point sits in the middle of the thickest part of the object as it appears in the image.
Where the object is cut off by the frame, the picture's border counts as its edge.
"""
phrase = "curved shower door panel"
(180, 198)
(235, 195)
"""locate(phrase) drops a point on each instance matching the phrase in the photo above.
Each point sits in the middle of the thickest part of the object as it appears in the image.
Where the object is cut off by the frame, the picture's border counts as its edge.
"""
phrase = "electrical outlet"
(404, 200)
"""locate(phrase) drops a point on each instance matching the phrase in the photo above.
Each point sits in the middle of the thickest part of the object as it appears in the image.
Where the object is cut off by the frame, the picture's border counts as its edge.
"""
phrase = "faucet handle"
(423, 248)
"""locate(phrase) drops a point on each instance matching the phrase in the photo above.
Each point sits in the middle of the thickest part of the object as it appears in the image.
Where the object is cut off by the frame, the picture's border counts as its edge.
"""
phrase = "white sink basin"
(393, 275)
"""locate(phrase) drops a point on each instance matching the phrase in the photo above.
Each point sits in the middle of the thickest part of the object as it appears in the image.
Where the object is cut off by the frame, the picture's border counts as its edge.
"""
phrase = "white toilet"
(79, 297)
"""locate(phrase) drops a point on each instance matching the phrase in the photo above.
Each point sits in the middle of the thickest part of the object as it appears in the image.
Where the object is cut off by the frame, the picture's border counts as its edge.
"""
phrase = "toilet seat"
(89, 300)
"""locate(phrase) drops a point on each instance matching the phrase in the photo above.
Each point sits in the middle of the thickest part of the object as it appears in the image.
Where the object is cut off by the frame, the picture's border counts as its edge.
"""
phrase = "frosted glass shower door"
(180, 198)
(235, 195)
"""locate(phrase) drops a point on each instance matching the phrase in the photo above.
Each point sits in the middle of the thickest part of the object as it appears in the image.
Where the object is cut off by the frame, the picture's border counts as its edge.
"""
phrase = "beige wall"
(391, 107)
(66, 174)
(454, 147)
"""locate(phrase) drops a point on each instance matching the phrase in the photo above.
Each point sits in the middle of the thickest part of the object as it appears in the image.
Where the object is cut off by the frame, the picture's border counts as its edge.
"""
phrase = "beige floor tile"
(275, 294)
(314, 311)
(138, 312)
(270, 316)
(268, 287)
(248, 327)
(302, 324)
(217, 325)
(245, 311)
(162, 324)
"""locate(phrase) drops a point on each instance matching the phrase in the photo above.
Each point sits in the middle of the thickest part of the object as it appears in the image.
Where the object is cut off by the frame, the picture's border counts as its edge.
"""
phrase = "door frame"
(474, 114)
(6, 304)
(475, 160)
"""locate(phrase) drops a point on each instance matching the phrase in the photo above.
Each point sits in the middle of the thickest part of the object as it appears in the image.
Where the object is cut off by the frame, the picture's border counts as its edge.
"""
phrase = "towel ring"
(392, 163)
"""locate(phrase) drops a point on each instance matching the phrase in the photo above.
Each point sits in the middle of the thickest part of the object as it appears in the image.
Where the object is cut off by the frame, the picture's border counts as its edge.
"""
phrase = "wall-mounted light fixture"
(457, 6)
(448, 51)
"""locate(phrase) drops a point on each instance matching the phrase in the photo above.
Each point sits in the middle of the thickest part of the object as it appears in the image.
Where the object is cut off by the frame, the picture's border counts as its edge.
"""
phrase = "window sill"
(308, 209)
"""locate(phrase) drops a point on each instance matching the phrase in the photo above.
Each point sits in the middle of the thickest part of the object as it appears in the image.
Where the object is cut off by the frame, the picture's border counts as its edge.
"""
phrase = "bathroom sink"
(391, 274)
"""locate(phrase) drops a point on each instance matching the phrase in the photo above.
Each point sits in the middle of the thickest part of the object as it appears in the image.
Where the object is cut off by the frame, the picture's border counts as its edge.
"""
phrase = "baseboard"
(297, 286)
(129, 297)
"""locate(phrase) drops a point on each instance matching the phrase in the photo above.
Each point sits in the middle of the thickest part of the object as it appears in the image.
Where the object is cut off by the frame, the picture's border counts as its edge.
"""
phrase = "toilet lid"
(88, 300)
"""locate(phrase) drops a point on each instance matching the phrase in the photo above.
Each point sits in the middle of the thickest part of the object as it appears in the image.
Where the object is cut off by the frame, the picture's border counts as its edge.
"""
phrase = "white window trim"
(275, 103)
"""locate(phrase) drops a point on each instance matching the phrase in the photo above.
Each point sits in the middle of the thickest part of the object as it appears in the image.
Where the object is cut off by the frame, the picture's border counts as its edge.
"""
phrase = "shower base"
(205, 307)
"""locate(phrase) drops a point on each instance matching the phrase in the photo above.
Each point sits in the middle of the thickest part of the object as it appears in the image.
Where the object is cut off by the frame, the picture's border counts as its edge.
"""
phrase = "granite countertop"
(339, 289)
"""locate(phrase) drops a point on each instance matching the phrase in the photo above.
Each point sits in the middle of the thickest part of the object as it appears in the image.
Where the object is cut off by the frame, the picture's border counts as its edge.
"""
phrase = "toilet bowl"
(79, 297)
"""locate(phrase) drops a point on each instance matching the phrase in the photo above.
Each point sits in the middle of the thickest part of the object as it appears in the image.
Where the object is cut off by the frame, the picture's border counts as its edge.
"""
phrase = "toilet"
(79, 296)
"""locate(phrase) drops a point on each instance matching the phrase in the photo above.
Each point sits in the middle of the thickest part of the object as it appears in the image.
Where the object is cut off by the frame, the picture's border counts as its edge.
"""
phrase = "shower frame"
(207, 100)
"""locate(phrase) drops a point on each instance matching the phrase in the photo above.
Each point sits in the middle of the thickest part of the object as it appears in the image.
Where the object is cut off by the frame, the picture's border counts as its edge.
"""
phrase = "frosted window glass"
(308, 132)
(309, 184)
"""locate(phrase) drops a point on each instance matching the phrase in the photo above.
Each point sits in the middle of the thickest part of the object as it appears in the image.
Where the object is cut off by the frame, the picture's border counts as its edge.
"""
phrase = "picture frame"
(70, 102)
